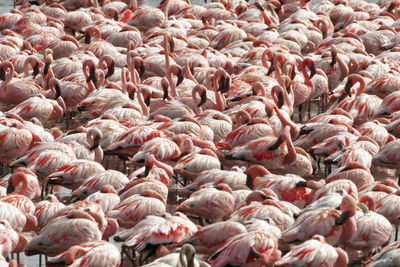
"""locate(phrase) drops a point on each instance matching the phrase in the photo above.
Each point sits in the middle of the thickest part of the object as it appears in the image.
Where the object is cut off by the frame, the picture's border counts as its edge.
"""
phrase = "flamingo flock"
(231, 133)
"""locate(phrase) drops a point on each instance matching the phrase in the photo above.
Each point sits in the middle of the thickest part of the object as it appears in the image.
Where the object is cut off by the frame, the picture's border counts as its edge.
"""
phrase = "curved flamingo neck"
(17, 179)
(279, 60)
(198, 90)
(294, 128)
(172, 85)
(9, 70)
(307, 79)
(358, 78)
(71, 254)
(267, 55)
(344, 69)
(291, 155)
(219, 98)
(145, 109)
(168, 169)
(259, 89)
(32, 62)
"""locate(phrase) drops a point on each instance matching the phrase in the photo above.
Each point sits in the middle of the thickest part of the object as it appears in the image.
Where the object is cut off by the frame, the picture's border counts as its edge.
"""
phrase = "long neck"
(20, 178)
(145, 109)
(196, 91)
(168, 169)
(307, 79)
(291, 155)
(70, 256)
(294, 128)
(172, 85)
(9, 69)
(361, 89)
(344, 69)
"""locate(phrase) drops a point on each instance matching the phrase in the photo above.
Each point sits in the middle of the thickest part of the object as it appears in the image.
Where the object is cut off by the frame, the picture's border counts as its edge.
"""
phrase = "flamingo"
(42, 108)
(66, 231)
(210, 203)
(373, 229)
(253, 248)
(99, 253)
(95, 183)
(138, 186)
(172, 229)
(185, 257)
(24, 182)
(47, 209)
(266, 150)
(72, 174)
(18, 90)
(209, 238)
(314, 252)
(336, 227)
(135, 208)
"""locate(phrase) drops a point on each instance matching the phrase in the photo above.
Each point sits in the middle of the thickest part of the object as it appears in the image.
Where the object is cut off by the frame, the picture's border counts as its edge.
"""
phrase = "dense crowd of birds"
(223, 134)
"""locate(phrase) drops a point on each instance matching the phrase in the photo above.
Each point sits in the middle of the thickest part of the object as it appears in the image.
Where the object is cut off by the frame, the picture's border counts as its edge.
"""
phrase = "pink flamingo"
(235, 179)
(209, 238)
(253, 248)
(64, 232)
(135, 208)
(73, 174)
(270, 152)
(16, 141)
(107, 199)
(162, 148)
(337, 227)
(141, 185)
(23, 203)
(46, 158)
(95, 183)
(353, 171)
(253, 128)
(171, 229)
(373, 229)
(24, 182)
(96, 253)
(16, 90)
(21, 222)
(314, 252)
(42, 108)
(47, 209)
(210, 203)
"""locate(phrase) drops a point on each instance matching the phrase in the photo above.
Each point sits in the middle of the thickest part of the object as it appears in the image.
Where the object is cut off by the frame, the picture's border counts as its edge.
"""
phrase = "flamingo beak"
(87, 38)
(280, 100)
(224, 85)
(180, 78)
(35, 70)
(46, 68)
(110, 70)
(333, 62)
(147, 100)
(2, 74)
(165, 92)
(342, 219)
(347, 88)
(313, 71)
(58, 91)
(203, 98)
(271, 69)
(147, 171)
(276, 145)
